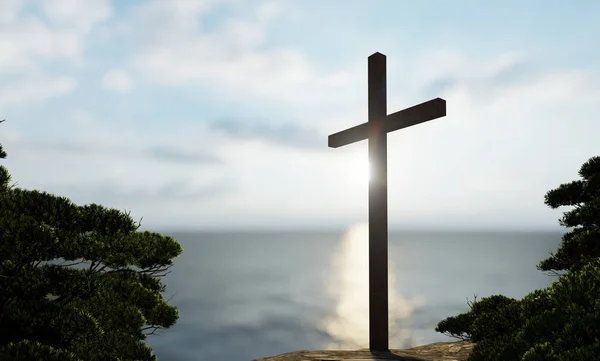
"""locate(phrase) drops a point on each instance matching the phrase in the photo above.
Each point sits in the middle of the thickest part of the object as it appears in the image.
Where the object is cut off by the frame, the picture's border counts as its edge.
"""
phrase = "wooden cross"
(375, 130)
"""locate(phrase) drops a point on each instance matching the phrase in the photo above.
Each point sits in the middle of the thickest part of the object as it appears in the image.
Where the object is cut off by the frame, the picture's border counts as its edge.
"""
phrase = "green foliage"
(560, 322)
(28, 350)
(4, 175)
(490, 314)
(504, 347)
(459, 326)
(468, 326)
(494, 315)
(104, 274)
(581, 244)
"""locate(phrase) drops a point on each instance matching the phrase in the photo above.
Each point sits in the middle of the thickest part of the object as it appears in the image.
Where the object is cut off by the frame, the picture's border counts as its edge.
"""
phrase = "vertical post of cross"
(378, 204)
(375, 131)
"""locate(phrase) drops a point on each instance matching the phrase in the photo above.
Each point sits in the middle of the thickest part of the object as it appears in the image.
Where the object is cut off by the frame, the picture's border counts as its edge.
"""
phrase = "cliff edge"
(439, 351)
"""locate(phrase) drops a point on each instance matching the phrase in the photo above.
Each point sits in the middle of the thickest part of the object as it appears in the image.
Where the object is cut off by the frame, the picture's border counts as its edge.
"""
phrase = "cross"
(375, 130)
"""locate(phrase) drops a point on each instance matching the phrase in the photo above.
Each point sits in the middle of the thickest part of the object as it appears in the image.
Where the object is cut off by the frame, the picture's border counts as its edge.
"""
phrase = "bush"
(501, 348)
(27, 350)
(560, 322)
(101, 312)
(468, 326)
(495, 316)
(457, 326)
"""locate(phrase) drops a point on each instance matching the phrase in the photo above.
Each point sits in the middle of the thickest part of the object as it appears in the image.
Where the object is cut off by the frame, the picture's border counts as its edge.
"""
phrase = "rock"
(439, 351)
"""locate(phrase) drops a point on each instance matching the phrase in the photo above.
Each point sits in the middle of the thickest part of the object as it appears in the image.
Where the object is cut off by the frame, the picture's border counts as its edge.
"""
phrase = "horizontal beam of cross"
(417, 114)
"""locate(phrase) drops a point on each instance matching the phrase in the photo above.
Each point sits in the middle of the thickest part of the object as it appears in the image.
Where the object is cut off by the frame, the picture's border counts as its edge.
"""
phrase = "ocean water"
(244, 296)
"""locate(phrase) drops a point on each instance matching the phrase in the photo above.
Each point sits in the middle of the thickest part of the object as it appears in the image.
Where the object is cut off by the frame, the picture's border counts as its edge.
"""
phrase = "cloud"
(75, 14)
(175, 155)
(159, 153)
(114, 193)
(29, 39)
(35, 88)
(32, 43)
(498, 79)
(117, 80)
(27, 42)
(231, 57)
(287, 134)
(508, 136)
(10, 10)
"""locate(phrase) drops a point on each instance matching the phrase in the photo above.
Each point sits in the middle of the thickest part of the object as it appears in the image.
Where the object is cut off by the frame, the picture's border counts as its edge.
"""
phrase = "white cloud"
(117, 80)
(10, 10)
(231, 59)
(77, 14)
(36, 88)
(28, 39)
(30, 42)
(483, 159)
(500, 148)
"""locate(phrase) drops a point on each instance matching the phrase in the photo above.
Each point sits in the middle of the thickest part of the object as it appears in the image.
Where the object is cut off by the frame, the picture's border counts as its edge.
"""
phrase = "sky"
(214, 115)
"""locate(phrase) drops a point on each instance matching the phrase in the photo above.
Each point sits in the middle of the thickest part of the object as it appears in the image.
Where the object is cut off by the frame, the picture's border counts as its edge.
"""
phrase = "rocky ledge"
(439, 351)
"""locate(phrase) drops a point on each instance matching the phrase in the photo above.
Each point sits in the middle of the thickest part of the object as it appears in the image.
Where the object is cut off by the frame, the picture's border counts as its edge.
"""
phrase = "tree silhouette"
(582, 243)
(78, 282)
(560, 322)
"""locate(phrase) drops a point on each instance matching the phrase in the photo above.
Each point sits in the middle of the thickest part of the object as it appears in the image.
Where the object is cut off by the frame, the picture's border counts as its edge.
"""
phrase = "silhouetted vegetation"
(78, 282)
(558, 323)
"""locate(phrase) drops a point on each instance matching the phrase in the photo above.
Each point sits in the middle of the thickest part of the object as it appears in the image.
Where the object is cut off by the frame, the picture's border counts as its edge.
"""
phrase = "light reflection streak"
(349, 325)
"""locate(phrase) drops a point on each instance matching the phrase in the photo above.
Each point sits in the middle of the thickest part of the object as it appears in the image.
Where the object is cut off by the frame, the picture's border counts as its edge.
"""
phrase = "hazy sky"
(215, 114)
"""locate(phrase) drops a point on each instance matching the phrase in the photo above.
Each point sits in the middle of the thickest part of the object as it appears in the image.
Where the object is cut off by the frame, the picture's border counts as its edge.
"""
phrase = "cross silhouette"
(375, 130)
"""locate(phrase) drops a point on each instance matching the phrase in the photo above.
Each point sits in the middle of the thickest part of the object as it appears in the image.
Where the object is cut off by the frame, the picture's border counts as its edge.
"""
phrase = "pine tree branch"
(71, 264)
(154, 328)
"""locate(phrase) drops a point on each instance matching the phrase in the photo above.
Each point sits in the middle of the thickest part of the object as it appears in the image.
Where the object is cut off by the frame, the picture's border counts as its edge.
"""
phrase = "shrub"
(560, 322)
(101, 312)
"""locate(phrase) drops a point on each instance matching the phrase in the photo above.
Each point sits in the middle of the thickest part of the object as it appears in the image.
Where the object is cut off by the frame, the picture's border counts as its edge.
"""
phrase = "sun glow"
(362, 170)
(356, 172)
(348, 324)
(353, 173)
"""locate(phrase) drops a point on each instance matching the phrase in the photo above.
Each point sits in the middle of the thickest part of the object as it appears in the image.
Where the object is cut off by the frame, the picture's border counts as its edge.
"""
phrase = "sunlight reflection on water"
(349, 325)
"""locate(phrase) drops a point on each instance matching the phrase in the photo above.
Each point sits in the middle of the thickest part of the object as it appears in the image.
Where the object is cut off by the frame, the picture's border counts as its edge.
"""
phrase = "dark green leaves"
(98, 306)
(559, 323)
(582, 243)
(590, 168)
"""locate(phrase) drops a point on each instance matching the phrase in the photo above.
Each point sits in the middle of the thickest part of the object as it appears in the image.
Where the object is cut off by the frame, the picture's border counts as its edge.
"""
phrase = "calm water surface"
(243, 296)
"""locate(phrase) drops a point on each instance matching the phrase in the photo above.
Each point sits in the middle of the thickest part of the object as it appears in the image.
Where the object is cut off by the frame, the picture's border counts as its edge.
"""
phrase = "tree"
(560, 322)
(78, 282)
(4, 175)
(582, 244)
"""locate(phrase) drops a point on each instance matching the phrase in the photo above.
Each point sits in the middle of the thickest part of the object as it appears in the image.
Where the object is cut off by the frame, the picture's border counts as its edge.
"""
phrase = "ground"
(439, 351)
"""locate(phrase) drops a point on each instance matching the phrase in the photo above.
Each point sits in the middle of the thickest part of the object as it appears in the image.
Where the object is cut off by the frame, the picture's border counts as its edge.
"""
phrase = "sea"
(247, 295)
